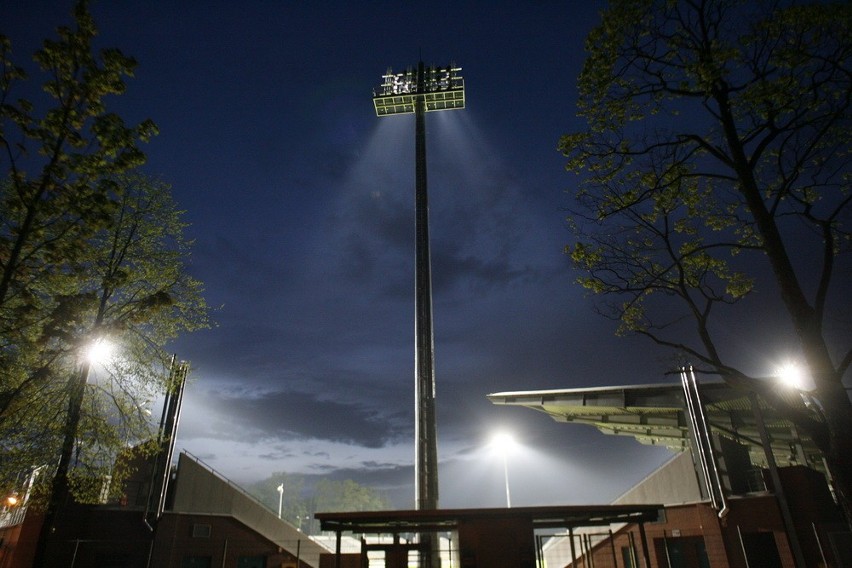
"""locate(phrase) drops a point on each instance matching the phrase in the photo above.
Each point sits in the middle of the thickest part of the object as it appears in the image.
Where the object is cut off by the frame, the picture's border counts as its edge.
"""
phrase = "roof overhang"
(395, 522)
(655, 415)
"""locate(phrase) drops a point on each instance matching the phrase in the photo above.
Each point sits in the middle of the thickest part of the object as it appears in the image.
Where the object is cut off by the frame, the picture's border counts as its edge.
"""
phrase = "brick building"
(207, 521)
(744, 488)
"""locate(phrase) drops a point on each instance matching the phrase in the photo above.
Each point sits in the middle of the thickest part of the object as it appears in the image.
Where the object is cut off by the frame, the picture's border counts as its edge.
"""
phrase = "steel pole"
(426, 464)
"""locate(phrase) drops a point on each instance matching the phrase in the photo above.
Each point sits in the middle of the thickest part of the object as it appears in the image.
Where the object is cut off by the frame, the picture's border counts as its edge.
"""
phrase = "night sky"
(301, 204)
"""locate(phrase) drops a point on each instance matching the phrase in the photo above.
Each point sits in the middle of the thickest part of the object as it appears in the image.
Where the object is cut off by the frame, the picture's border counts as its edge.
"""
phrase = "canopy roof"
(655, 415)
(373, 522)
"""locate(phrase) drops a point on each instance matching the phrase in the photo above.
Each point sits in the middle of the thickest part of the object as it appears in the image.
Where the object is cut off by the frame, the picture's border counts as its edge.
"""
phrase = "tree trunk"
(837, 409)
(838, 453)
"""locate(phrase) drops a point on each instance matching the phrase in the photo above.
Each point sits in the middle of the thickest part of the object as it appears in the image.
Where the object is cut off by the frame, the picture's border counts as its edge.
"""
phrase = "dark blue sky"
(301, 206)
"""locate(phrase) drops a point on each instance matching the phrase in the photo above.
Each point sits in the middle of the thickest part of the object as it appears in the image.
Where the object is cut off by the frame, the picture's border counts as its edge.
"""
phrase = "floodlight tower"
(424, 90)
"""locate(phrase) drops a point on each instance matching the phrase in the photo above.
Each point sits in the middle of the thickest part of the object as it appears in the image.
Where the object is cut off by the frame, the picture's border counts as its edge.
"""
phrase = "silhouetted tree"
(717, 150)
(87, 252)
(301, 501)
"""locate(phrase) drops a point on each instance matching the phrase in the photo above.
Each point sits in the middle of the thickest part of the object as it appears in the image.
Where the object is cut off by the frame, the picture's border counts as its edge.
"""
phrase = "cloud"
(249, 415)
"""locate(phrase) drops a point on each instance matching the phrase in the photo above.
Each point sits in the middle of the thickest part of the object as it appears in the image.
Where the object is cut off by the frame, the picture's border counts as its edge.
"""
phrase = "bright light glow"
(504, 442)
(11, 501)
(440, 88)
(99, 351)
(792, 374)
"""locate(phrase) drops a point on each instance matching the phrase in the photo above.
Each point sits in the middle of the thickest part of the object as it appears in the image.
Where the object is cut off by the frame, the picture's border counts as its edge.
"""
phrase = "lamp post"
(95, 352)
(425, 90)
(280, 497)
(504, 443)
(780, 493)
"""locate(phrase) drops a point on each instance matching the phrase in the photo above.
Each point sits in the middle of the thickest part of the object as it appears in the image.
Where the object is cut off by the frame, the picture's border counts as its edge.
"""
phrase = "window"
(200, 531)
(760, 549)
(683, 552)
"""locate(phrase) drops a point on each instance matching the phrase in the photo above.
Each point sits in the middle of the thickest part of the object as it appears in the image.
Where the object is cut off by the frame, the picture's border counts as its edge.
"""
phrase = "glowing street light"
(280, 497)
(98, 351)
(792, 374)
(93, 353)
(504, 443)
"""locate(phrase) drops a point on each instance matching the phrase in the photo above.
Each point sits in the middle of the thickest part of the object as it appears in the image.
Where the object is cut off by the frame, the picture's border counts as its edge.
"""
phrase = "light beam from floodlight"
(504, 443)
(424, 90)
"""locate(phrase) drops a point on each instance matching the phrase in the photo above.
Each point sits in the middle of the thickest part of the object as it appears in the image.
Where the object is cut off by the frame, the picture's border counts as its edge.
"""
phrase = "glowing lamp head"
(792, 374)
(99, 351)
(504, 442)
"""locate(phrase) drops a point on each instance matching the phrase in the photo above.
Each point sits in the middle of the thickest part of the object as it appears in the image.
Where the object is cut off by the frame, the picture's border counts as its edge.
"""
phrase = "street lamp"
(280, 497)
(504, 444)
(98, 351)
(91, 354)
(792, 374)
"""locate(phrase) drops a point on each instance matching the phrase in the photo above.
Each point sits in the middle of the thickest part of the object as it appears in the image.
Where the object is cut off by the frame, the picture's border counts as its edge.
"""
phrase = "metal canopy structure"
(484, 537)
(549, 517)
(656, 415)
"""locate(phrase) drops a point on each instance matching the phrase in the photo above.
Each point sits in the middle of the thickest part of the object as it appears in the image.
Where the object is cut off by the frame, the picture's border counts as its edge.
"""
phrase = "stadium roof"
(655, 415)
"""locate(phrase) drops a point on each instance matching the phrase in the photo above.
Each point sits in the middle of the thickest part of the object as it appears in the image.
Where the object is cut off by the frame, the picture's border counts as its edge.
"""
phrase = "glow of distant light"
(99, 351)
(504, 442)
(791, 374)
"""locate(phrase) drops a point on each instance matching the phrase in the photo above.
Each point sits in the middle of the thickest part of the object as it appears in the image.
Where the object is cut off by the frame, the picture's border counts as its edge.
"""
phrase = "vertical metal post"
(612, 545)
(780, 495)
(573, 550)
(426, 464)
(405, 93)
(742, 546)
(60, 489)
(819, 544)
(646, 555)
(704, 441)
(631, 543)
(177, 381)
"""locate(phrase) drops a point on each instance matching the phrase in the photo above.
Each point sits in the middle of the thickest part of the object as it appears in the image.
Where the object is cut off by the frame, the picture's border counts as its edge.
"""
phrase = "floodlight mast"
(418, 92)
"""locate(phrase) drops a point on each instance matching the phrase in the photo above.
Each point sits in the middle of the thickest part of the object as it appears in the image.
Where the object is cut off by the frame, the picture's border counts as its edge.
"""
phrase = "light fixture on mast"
(419, 91)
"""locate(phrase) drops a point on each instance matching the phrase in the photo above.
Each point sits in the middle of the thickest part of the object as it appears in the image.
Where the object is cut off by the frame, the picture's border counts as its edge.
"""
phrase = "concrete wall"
(199, 490)
(674, 483)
